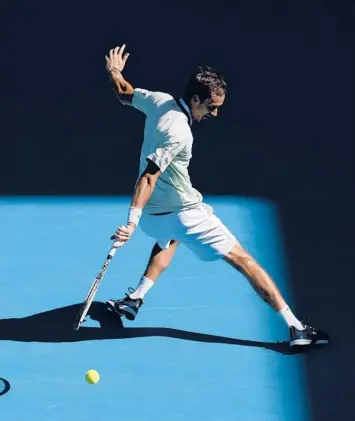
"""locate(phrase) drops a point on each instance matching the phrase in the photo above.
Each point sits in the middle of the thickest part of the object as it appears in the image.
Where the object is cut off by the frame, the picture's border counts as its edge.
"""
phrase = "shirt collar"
(185, 109)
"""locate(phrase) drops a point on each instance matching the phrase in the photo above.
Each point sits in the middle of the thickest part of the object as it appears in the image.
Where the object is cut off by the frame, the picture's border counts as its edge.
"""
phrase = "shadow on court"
(57, 326)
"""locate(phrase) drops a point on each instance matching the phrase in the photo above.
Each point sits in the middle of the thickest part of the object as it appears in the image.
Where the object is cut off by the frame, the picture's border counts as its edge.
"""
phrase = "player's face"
(208, 108)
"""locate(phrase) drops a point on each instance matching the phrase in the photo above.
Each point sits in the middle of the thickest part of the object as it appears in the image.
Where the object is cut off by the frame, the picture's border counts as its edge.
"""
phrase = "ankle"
(290, 319)
(143, 287)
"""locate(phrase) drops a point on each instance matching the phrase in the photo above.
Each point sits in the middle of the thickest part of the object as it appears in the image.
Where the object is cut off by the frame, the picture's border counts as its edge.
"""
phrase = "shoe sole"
(125, 311)
(305, 342)
(301, 342)
(128, 313)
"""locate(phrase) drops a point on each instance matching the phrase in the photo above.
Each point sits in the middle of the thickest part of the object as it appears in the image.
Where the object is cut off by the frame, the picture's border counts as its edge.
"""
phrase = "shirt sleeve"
(167, 150)
(145, 100)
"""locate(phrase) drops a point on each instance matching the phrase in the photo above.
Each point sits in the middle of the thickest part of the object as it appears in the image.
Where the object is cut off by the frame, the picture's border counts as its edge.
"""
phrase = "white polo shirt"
(168, 143)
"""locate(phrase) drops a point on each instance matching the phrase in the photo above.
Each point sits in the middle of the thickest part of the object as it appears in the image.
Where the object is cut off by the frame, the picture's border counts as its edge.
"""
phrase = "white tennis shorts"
(197, 228)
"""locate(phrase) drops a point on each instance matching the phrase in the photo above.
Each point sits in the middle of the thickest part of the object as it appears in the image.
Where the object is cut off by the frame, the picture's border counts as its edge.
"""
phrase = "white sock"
(143, 287)
(290, 318)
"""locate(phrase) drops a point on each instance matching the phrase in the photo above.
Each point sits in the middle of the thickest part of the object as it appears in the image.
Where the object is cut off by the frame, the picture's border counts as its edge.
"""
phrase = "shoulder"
(174, 124)
(154, 97)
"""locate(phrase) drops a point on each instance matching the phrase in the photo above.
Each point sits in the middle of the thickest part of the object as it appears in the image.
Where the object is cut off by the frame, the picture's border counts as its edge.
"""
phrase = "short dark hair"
(205, 82)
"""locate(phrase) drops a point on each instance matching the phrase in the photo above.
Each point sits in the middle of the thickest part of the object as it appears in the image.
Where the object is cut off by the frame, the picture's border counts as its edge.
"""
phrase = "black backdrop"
(285, 129)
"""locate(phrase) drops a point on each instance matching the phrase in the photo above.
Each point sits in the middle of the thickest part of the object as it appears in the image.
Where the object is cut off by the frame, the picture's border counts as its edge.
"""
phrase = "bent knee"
(239, 257)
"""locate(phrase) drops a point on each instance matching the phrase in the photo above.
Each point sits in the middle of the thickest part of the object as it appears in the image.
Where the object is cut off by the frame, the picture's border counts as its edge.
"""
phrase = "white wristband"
(134, 215)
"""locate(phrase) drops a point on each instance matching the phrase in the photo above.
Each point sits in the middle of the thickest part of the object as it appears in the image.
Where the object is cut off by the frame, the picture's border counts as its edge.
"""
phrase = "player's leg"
(159, 260)
(264, 285)
(259, 279)
(210, 240)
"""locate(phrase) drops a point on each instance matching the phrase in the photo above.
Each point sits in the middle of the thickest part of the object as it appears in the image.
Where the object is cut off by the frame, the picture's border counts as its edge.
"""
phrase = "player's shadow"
(57, 326)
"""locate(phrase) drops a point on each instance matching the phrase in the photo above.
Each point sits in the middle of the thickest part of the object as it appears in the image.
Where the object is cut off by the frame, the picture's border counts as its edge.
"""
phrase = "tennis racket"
(93, 290)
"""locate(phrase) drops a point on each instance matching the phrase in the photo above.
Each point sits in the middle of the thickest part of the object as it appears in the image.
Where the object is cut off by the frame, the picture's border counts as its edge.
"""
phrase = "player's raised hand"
(123, 234)
(116, 59)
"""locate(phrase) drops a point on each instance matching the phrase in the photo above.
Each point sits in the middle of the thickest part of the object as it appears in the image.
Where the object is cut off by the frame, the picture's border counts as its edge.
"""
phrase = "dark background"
(284, 134)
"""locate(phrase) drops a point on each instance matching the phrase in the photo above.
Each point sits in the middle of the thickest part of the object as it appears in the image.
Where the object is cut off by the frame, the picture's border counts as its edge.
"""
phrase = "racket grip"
(112, 252)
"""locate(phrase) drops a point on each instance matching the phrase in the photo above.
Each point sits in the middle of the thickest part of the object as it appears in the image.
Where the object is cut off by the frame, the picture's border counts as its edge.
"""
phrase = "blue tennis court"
(204, 346)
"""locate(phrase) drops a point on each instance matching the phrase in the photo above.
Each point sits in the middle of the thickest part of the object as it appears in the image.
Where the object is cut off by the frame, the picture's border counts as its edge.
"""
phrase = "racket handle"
(112, 252)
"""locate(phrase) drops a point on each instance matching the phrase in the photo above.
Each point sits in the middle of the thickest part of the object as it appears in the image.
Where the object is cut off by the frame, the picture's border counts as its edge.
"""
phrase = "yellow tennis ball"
(92, 376)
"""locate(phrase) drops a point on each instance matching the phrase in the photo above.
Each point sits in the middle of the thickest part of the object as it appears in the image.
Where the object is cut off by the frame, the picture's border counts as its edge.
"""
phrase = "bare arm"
(121, 87)
(115, 63)
(142, 192)
(145, 185)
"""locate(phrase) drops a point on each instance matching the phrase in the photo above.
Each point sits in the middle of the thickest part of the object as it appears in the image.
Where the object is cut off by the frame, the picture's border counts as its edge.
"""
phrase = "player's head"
(205, 93)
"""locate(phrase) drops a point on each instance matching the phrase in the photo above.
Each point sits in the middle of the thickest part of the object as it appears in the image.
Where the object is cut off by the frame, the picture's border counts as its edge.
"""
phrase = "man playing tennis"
(167, 206)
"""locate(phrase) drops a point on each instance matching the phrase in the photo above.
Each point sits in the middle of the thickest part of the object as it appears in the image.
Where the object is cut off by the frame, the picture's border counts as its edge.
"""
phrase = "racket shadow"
(57, 326)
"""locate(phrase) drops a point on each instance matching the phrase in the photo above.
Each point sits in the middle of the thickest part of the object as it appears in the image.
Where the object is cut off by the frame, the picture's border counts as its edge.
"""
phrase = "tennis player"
(166, 205)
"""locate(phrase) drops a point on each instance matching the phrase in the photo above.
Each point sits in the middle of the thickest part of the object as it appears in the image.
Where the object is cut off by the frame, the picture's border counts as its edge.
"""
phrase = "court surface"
(203, 348)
